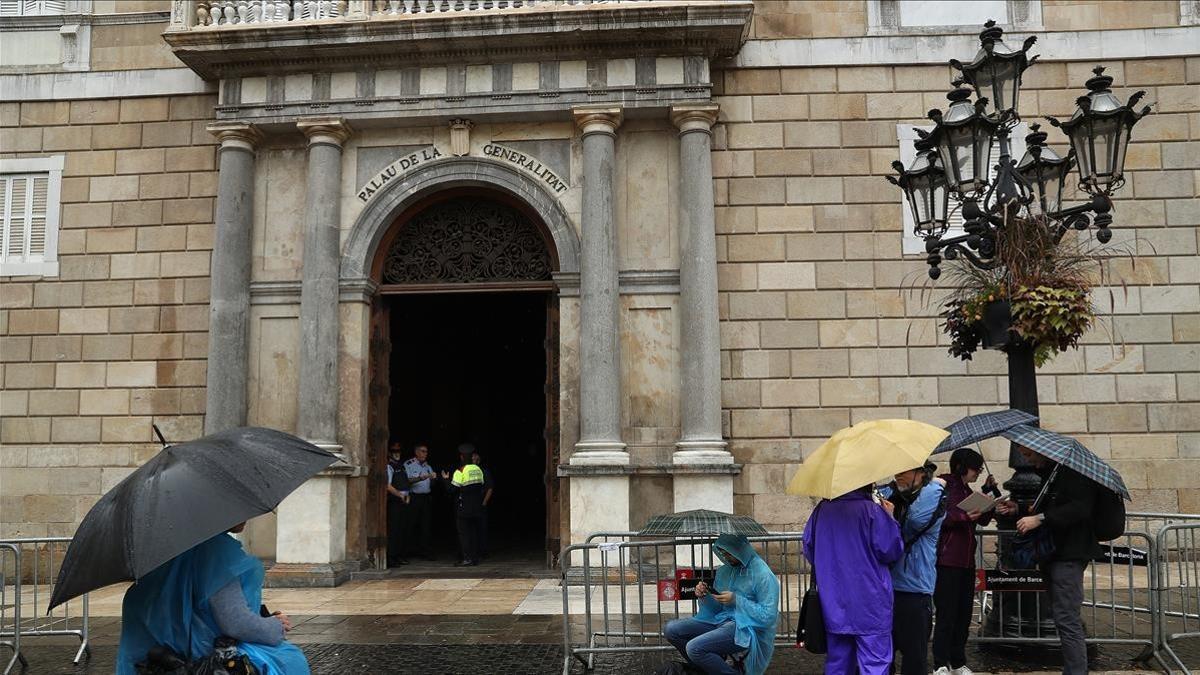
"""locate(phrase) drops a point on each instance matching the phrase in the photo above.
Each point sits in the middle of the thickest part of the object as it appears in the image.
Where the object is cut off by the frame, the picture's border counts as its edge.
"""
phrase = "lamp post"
(1098, 132)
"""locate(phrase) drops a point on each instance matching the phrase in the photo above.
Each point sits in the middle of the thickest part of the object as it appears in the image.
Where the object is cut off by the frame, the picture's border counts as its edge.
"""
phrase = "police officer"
(466, 486)
(397, 498)
(420, 508)
(488, 486)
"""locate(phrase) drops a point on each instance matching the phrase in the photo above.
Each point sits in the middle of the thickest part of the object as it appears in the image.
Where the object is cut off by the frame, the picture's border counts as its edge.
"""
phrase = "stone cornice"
(714, 28)
(236, 135)
(699, 117)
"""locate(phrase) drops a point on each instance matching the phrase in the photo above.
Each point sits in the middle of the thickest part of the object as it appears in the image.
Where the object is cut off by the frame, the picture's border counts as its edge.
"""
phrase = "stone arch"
(381, 212)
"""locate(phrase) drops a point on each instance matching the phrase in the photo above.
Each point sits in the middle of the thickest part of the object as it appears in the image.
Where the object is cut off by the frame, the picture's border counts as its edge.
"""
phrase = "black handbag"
(810, 630)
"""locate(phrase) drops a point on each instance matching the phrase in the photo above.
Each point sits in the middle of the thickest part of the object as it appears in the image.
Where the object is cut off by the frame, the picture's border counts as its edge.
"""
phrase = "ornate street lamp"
(1026, 194)
(924, 185)
(963, 137)
(1099, 132)
(996, 71)
(1044, 171)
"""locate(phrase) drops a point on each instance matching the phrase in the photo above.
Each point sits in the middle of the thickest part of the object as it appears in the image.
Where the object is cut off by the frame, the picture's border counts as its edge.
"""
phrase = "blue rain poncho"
(755, 609)
(169, 607)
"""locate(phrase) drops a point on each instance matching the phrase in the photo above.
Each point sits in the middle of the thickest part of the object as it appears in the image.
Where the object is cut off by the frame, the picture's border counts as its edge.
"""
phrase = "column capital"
(695, 117)
(327, 130)
(236, 135)
(598, 120)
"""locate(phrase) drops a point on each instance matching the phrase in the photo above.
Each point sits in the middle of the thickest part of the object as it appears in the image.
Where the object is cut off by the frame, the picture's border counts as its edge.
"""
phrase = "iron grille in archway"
(467, 240)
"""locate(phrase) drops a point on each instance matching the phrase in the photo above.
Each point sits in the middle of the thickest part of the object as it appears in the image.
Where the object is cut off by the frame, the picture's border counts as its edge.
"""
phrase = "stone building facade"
(254, 212)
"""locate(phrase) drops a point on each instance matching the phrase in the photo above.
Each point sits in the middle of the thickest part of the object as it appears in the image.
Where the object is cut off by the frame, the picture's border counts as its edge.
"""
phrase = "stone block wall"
(825, 323)
(118, 341)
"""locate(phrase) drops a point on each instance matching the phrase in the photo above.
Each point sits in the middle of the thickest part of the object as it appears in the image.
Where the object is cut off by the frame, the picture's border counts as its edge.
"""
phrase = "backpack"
(1108, 515)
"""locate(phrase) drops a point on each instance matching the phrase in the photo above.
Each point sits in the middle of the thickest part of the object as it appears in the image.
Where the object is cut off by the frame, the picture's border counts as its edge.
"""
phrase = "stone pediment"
(278, 37)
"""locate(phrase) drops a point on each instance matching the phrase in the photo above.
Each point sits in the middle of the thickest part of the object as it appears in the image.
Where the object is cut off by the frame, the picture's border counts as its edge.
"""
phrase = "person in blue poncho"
(736, 615)
(211, 590)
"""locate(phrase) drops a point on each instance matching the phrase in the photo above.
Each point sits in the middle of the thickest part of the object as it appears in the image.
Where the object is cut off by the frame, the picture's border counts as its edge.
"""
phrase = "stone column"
(318, 405)
(599, 465)
(229, 306)
(310, 540)
(703, 471)
(599, 331)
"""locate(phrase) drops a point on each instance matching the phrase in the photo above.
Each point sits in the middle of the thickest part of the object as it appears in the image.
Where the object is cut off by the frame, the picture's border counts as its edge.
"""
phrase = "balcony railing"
(225, 13)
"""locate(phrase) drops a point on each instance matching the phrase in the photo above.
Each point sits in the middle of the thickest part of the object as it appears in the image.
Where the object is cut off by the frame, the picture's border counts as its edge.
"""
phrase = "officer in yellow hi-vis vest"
(467, 488)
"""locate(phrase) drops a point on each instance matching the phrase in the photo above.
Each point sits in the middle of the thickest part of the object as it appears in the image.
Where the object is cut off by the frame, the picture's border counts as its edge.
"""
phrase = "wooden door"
(378, 397)
(553, 542)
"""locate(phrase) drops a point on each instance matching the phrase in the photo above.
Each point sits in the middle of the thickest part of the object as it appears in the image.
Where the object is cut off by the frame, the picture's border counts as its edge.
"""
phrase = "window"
(906, 133)
(889, 17)
(32, 7)
(29, 205)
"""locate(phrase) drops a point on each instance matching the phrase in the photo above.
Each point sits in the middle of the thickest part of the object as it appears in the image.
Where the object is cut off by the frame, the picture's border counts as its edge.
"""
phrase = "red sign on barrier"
(668, 590)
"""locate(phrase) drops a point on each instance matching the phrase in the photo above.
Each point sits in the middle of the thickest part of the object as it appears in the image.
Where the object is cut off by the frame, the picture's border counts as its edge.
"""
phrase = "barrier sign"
(668, 590)
(683, 586)
(1123, 555)
(1010, 580)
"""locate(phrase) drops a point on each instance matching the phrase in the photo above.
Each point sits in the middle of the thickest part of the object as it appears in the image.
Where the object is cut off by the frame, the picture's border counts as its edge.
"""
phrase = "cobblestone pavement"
(436, 644)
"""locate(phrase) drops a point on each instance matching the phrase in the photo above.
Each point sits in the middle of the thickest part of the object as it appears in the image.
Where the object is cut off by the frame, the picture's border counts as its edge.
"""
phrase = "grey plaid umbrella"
(975, 428)
(700, 522)
(1070, 453)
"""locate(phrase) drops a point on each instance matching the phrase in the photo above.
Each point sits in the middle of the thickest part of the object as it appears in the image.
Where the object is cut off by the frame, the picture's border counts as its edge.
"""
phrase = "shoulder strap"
(938, 512)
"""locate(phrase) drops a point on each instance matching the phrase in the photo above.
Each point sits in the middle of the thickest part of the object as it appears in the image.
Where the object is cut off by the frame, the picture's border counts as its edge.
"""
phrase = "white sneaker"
(961, 671)
(943, 671)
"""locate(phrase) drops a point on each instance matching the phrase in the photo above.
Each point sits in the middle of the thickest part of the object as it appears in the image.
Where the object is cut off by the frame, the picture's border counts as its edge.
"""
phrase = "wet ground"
(502, 644)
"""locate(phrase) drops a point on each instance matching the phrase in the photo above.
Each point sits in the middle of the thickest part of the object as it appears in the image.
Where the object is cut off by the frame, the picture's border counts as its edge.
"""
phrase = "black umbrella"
(701, 522)
(183, 496)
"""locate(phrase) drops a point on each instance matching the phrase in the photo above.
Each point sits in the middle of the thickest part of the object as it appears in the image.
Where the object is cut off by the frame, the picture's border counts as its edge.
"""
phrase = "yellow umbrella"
(864, 454)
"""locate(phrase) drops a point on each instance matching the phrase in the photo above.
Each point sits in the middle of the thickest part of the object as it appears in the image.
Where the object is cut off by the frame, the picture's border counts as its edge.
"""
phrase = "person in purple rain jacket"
(850, 541)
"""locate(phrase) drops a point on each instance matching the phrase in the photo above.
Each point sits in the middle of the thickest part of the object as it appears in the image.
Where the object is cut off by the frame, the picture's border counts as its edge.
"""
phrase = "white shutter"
(29, 210)
(11, 7)
(906, 133)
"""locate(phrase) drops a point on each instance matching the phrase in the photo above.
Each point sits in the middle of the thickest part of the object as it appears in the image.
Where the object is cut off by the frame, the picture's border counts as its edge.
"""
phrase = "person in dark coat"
(397, 499)
(954, 593)
(1067, 510)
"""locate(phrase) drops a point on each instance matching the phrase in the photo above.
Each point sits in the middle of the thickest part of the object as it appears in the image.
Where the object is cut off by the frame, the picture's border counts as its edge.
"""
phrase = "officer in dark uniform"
(397, 499)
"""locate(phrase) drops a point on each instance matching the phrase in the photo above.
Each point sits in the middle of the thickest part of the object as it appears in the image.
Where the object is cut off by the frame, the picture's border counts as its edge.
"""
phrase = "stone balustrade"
(227, 13)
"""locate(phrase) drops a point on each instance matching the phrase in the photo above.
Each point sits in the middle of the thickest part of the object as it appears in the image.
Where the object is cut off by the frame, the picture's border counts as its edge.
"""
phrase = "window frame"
(52, 168)
(884, 18)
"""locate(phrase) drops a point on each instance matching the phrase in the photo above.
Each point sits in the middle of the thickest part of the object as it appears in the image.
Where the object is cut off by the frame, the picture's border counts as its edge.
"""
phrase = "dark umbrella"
(970, 430)
(183, 496)
(1070, 453)
(701, 522)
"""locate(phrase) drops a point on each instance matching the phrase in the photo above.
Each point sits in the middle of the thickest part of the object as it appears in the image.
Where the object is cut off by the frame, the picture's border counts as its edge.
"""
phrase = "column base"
(311, 522)
(601, 453)
(310, 575)
(712, 491)
(702, 451)
(599, 503)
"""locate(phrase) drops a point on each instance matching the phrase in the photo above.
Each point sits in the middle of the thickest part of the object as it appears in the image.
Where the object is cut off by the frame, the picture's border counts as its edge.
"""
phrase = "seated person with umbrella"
(197, 594)
(209, 591)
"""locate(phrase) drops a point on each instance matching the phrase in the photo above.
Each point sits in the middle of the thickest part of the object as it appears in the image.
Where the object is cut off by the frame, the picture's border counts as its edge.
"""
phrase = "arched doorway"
(464, 349)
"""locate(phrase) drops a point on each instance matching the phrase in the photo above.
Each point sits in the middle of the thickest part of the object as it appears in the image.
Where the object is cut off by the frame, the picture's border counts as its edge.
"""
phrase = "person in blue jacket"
(738, 614)
(920, 510)
(211, 590)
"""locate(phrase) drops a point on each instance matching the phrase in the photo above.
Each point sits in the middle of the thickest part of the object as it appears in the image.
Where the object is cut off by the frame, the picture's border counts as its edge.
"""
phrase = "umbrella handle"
(159, 434)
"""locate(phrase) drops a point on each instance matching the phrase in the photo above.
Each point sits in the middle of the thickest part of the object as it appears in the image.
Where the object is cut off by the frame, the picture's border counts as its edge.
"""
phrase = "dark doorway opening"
(471, 368)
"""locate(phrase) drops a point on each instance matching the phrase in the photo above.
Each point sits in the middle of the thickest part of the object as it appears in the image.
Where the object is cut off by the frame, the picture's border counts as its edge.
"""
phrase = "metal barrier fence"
(1144, 592)
(612, 582)
(28, 568)
(1178, 573)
